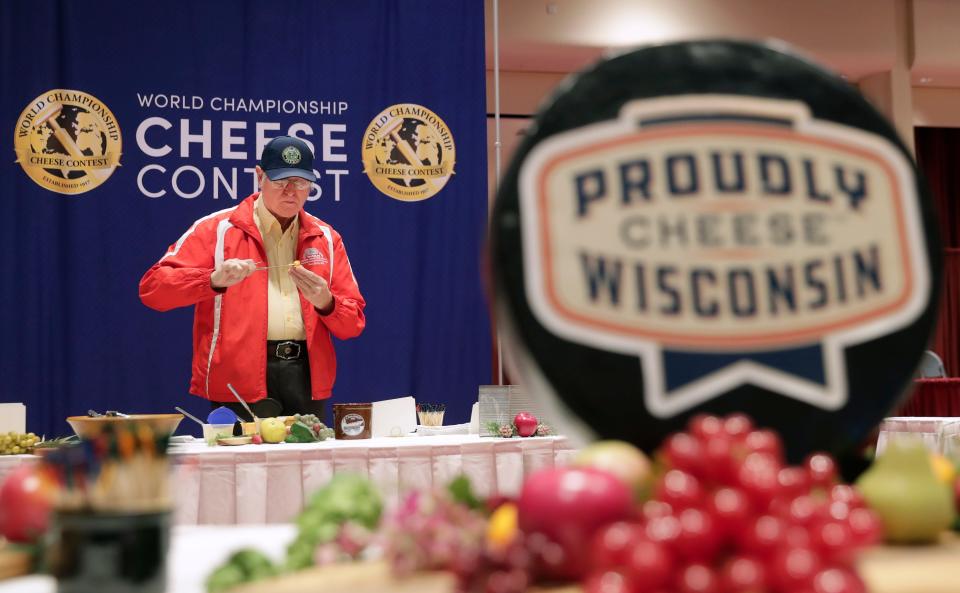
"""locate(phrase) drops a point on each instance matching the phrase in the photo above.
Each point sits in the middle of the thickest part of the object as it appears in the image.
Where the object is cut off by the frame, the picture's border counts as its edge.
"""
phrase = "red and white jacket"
(230, 327)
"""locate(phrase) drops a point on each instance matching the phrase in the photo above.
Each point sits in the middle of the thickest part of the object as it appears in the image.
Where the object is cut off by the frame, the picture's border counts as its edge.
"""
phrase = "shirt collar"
(267, 222)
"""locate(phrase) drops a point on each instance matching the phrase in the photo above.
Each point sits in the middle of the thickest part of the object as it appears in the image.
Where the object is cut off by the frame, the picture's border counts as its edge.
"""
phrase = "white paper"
(13, 418)
(393, 417)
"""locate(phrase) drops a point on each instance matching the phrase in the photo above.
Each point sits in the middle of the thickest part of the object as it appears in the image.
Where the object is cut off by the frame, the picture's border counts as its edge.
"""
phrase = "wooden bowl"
(160, 424)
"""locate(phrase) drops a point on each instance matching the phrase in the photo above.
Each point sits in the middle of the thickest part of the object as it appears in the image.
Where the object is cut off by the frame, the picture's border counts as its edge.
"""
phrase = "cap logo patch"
(290, 155)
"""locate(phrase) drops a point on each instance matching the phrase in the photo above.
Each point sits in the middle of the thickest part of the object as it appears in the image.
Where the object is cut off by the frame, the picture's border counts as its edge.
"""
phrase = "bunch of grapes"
(16, 443)
(729, 516)
(311, 421)
(308, 419)
(510, 568)
(430, 531)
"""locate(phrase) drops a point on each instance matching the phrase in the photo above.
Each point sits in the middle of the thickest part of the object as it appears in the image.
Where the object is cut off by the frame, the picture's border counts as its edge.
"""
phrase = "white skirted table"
(195, 551)
(938, 434)
(8, 463)
(270, 483)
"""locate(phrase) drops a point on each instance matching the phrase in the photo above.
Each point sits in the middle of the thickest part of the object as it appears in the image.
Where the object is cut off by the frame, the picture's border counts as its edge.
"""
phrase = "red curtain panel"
(938, 157)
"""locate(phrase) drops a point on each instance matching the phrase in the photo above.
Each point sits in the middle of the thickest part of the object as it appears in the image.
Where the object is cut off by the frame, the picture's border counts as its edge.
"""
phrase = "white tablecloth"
(195, 550)
(8, 463)
(938, 434)
(269, 483)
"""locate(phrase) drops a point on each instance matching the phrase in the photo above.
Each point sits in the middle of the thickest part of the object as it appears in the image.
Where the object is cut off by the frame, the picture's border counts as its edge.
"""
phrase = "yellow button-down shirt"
(285, 321)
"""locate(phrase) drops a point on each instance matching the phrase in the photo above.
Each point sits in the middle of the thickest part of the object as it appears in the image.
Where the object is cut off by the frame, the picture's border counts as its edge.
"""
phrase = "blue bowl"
(222, 415)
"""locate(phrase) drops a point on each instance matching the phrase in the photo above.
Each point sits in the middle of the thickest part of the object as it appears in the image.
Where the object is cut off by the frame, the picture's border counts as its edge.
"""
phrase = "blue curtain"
(74, 333)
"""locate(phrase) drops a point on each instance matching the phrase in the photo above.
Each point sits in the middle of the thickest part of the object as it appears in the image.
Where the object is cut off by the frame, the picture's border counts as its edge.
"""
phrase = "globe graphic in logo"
(81, 126)
(67, 141)
(408, 152)
(424, 142)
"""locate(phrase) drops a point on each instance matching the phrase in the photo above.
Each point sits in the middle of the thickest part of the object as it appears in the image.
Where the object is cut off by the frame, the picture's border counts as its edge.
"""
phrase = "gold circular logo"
(290, 155)
(67, 141)
(408, 152)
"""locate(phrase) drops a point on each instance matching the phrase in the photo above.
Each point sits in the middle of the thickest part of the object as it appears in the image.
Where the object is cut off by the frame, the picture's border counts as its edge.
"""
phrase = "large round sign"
(715, 227)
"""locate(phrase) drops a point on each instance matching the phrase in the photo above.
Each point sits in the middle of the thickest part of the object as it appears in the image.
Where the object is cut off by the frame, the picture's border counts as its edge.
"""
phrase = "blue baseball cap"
(286, 156)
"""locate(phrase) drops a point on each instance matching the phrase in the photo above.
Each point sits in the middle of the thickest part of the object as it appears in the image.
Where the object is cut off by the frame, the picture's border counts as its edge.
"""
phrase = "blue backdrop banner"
(127, 121)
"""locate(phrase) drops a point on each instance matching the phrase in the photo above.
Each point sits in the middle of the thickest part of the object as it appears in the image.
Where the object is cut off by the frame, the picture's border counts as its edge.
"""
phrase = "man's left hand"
(313, 288)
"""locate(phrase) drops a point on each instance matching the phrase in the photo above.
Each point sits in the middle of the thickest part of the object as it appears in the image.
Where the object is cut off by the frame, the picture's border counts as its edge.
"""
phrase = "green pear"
(901, 487)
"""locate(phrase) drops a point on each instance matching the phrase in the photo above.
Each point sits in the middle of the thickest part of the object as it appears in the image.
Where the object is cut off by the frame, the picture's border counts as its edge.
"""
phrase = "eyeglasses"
(296, 182)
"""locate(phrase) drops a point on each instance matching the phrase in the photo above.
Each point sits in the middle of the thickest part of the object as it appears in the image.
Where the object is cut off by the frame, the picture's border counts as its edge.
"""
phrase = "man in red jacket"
(270, 283)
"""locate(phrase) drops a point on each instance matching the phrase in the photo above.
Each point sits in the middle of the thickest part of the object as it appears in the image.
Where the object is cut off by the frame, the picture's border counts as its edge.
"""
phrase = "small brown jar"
(352, 421)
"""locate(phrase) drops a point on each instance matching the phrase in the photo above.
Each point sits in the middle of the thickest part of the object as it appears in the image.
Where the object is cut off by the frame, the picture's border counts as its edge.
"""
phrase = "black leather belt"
(286, 349)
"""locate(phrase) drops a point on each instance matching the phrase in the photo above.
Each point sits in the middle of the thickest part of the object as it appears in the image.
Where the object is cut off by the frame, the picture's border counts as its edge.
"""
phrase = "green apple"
(273, 430)
(621, 459)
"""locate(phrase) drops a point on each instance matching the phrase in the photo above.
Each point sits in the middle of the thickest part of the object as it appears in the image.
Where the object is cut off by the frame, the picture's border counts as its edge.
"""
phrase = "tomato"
(26, 496)
(699, 538)
(793, 481)
(612, 545)
(654, 508)
(848, 494)
(730, 509)
(650, 566)
(705, 427)
(838, 580)
(678, 489)
(866, 527)
(764, 441)
(835, 541)
(698, 578)
(761, 535)
(821, 468)
(804, 510)
(682, 451)
(737, 426)
(743, 574)
(792, 568)
(718, 460)
(612, 581)
(757, 477)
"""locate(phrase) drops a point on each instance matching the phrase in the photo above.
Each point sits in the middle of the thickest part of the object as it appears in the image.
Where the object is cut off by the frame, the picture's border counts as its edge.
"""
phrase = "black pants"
(288, 384)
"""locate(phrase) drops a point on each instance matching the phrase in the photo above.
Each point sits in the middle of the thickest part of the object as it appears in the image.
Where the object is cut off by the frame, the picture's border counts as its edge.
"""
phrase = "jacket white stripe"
(329, 235)
(217, 300)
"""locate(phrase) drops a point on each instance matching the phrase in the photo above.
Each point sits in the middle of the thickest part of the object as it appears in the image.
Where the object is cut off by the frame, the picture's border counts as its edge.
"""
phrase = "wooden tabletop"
(886, 569)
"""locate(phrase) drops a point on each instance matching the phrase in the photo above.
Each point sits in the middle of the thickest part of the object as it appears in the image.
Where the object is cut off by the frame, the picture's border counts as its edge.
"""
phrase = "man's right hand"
(230, 272)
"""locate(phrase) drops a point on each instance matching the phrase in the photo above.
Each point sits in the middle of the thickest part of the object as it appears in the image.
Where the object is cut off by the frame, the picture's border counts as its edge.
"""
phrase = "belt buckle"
(288, 350)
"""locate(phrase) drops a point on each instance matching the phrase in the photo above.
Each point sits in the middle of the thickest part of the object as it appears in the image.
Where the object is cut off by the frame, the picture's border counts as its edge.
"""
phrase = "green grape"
(15, 443)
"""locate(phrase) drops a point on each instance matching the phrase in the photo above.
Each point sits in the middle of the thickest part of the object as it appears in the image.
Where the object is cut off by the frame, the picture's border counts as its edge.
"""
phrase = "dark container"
(109, 552)
(352, 421)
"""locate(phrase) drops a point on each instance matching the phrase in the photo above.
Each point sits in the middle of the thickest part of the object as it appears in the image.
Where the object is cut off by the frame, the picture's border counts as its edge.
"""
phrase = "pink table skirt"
(8, 463)
(269, 483)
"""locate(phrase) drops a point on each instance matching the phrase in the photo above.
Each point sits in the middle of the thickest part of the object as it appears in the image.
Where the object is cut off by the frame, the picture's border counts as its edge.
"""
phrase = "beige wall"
(886, 46)
(936, 107)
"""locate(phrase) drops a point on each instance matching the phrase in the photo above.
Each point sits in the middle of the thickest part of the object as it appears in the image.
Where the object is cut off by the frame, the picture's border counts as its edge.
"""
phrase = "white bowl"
(212, 432)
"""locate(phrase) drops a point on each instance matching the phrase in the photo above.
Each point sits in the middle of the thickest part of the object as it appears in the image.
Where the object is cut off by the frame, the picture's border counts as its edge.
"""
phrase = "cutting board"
(886, 569)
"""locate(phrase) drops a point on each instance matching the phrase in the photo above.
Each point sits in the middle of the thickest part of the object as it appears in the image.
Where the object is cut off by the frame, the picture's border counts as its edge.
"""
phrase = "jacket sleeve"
(347, 319)
(182, 276)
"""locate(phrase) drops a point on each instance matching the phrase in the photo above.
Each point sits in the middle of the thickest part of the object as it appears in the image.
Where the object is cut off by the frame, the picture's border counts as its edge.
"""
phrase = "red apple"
(567, 506)
(26, 497)
(526, 424)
